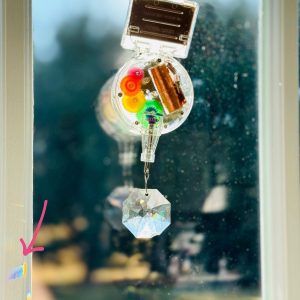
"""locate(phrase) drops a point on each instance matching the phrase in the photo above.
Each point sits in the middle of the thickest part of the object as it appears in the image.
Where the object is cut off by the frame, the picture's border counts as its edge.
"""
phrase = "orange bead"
(134, 103)
(130, 86)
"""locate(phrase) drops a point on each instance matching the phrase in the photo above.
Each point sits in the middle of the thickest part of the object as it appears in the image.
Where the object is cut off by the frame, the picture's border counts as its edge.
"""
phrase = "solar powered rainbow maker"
(153, 95)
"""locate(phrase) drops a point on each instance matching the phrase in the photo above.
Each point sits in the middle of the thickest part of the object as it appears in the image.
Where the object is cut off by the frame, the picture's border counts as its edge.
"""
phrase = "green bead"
(150, 113)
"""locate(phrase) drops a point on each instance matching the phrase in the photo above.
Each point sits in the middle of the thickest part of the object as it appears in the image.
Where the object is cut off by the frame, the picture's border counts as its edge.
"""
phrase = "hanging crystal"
(114, 201)
(146, 213)
(113, 207)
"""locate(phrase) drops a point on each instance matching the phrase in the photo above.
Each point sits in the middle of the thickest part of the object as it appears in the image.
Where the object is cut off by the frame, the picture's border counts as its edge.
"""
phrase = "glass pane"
(207, 168)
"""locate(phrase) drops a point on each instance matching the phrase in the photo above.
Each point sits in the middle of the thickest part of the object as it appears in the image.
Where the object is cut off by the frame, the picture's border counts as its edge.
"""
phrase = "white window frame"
(16, 139)
(279, 149)
(278, 146)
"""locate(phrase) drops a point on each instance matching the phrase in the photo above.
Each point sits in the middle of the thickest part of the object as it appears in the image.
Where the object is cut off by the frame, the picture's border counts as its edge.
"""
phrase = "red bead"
(136, 72)
(130, 86)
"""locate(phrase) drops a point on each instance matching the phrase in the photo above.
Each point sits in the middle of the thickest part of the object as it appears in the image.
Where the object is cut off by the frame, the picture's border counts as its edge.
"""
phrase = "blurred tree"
(74, 169)
(223, 60)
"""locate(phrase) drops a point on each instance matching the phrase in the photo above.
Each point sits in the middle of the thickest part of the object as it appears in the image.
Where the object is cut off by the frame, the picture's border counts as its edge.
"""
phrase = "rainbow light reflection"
(18, 272)
(28, 296)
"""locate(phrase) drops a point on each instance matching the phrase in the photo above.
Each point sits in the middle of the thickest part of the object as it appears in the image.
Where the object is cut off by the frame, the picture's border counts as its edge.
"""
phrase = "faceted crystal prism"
(113, 206)
(146, 216)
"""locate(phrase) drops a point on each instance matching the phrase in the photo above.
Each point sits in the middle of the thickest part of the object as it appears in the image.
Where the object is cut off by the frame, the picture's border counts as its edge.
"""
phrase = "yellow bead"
(134, 103)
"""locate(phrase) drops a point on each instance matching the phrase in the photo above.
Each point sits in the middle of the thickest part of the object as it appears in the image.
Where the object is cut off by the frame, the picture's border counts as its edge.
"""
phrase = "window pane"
(207, 168)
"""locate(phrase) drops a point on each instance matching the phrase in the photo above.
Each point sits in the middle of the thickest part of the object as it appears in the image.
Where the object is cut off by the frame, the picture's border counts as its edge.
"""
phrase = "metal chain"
(146, 176)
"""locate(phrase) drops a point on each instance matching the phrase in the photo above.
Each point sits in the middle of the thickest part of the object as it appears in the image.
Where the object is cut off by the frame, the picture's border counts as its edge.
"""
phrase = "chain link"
(146, 176)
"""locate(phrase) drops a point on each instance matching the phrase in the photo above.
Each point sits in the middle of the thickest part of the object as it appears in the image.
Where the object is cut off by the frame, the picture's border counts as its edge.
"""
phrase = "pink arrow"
(30, 249)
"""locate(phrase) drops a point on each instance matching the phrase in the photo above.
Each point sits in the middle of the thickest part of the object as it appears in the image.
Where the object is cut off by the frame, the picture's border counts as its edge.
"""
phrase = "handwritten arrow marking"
(30, 249)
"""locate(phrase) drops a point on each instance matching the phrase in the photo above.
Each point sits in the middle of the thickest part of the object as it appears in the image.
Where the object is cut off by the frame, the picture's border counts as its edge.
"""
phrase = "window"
(208, 168)
(153, 269)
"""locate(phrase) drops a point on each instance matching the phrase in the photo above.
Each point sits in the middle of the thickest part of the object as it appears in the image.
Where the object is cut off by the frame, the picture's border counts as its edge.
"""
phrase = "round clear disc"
(151, 88)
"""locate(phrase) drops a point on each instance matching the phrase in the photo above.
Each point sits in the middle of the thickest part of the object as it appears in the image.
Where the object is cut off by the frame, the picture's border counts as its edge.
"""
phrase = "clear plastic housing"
(152, 84)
